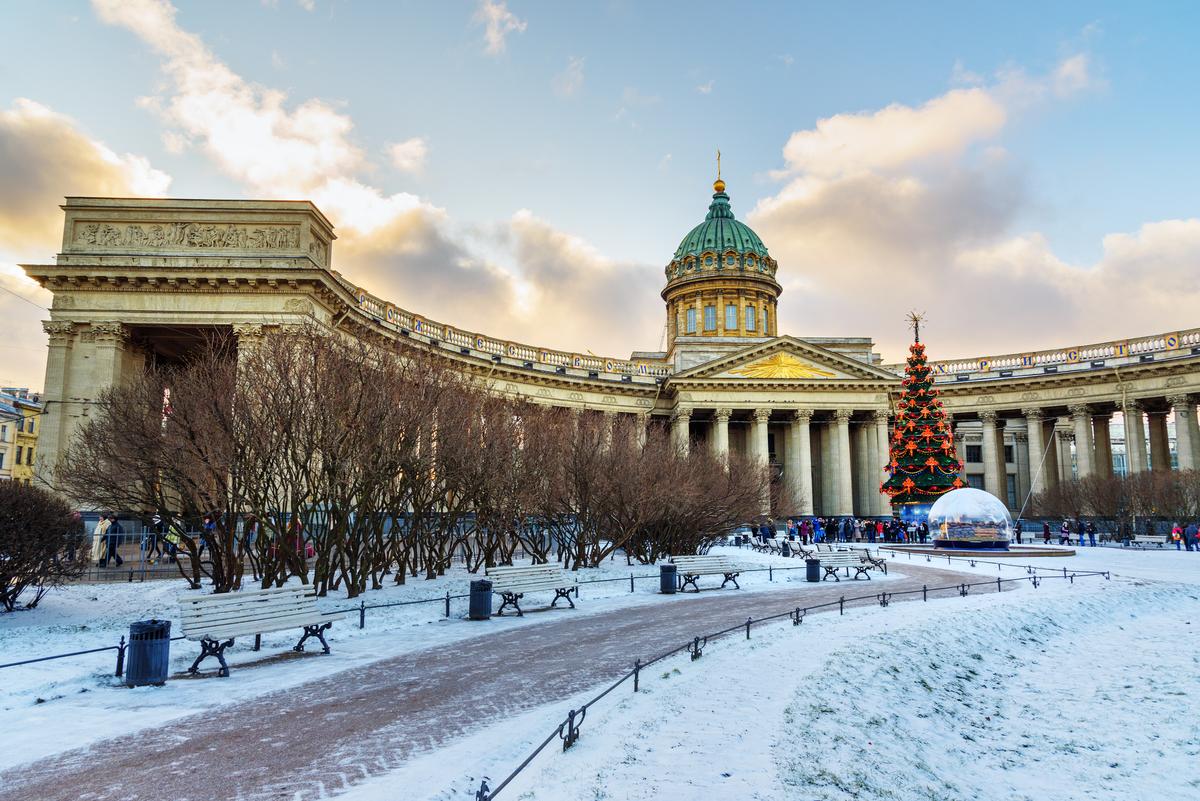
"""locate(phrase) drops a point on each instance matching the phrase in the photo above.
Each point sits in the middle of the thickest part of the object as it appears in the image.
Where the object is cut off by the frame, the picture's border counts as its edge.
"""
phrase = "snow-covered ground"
(1066, 691)
(68, 703)
(1069, 691)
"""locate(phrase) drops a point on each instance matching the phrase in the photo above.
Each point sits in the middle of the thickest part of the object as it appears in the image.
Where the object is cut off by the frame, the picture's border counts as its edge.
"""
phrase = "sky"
(1024, 173)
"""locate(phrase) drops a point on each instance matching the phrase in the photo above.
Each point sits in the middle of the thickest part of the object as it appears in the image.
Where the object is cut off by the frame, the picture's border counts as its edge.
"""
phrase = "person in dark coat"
(923, 531)
(1017, 531)
(112, 541)
(1045, 533)
(1091, 533)
(1080, 529)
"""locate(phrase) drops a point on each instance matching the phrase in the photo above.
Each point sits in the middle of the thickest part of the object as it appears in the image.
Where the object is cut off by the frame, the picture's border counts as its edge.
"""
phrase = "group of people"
(1186, 536)
(157, 542)
(809, 530)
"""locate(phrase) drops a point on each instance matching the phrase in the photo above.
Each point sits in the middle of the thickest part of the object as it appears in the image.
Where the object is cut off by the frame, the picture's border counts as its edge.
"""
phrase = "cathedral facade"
(142, 278)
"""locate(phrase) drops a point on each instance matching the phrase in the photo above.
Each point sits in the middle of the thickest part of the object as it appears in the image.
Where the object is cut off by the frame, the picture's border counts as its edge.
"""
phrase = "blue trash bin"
(481, 600)
(149, 655)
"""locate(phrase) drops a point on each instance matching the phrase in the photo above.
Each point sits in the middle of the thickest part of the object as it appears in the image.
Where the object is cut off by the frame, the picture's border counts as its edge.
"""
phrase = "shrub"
(39, 538)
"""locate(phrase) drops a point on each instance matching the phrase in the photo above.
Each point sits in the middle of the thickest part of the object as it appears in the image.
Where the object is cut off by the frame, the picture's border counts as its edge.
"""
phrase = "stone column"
(991, 463)
(760, 451)
(1050, 473)
(845, 480)
(1135, 437)
(680, 435)
(1036, 454)
(1021, 446)
(1102, 439)
(799, 461)
(883, 505)
(1081, 419)
(57, 421)
(1193, 432)
(1160, 446)
(610, 422)
(1064, 437)
(861, 466)
(721, 435)
(1184, 407)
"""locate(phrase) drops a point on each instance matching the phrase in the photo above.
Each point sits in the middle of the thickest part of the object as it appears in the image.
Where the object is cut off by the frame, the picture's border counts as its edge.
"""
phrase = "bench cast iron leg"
(831, 571)
(731, 577)
(562, 593)
(314, 631)
(511, 599)
(212, 648)
(690, 580)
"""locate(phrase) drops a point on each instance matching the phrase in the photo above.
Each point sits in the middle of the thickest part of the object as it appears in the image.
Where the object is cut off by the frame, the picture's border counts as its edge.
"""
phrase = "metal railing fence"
(568, 729)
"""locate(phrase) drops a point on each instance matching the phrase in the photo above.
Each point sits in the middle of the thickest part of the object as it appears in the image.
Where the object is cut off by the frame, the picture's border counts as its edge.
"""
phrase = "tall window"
(710, 318)
(32, 423)
(20, 448)
(766, 328)
(691, 321)
(3, 433)
(974, 453)
(731, 317)
(750, 321)
(2, 455)
(29, 456)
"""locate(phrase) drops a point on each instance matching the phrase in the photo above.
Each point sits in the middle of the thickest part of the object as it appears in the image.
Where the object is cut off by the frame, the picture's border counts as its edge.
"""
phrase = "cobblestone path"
(320, 738)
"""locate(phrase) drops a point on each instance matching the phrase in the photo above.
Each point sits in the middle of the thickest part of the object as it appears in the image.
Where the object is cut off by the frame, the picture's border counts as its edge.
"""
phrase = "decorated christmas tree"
(923, 464)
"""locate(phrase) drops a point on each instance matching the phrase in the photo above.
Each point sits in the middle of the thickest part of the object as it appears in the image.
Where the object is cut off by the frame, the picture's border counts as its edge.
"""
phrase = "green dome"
(720, 233)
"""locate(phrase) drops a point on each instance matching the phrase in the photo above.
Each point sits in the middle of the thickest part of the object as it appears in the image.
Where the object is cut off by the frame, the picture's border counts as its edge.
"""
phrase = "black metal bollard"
(447, 603)
(637, 669)
(631, 582)
(842, 605)
(120, 657)
(747, 628)
(924, 592)
(770, 573)
(362, 614)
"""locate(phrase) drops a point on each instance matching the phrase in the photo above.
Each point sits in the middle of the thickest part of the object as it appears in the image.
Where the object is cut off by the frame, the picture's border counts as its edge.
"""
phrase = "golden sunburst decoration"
(781, 365)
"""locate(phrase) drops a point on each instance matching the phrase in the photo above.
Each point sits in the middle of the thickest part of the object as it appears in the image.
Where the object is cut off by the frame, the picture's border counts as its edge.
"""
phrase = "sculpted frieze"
(189, 235)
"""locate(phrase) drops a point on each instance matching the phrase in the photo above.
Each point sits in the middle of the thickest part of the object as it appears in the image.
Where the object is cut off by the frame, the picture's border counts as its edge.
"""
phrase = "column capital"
(988, 417)
(843, 415)
(1079, 410)
(803, 416)
(60, 331)
(1131, 406)
(112, 332)
(1179, 400)
(681, 413)
(1033, 414)
(1021, 436)
(879, 416)
(762, 415)
(723, 414)
(251, 331)
(1064, 434)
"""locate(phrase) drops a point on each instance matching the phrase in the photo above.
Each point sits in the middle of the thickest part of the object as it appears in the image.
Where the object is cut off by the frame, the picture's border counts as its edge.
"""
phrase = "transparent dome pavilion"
(970, 518)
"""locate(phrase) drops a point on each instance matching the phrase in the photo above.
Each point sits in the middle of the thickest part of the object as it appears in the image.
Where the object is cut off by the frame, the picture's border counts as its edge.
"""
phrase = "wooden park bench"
(691, 568)
(216, 620)
(875, 558)
(832, 562)
(1142, 541)
(511, 584)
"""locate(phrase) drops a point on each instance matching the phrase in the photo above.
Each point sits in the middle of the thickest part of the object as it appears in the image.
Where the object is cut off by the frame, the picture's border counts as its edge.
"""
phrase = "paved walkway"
(322, 737)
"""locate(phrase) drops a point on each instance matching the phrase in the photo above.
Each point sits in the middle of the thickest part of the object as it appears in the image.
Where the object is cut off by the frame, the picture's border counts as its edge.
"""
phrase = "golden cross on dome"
(915, 318)
(718, 163)
(718, 185)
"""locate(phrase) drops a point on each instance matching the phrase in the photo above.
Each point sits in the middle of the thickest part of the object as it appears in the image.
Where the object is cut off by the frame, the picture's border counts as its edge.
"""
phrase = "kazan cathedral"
(149, 278)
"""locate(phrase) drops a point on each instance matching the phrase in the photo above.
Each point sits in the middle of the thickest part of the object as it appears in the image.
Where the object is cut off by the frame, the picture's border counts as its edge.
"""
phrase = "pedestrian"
(1045, 533)
(1017, 531)
(98, 541)
(1191, 536)
(112, 540)
(1064, 533)
(765, 532)
(923, 531)
(818, 530)
(1177, 536)
(1091, 533)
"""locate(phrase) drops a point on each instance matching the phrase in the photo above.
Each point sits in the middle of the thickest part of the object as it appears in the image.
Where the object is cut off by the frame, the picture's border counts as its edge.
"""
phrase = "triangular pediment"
(786, 359)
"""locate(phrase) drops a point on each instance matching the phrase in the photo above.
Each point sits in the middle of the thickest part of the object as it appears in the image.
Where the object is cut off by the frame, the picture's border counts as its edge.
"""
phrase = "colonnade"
(1055, 443)
(830, 461)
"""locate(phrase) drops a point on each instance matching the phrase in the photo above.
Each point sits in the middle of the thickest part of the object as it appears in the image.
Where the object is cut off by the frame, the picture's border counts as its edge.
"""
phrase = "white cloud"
(409, 155)
(498, 23)
(568, 82)
(307, 5)
(914, 206)
(277, 60)
(45, 155)
(706, 88)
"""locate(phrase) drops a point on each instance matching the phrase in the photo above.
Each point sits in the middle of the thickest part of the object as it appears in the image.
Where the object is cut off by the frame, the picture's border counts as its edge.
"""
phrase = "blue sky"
(561, 163)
